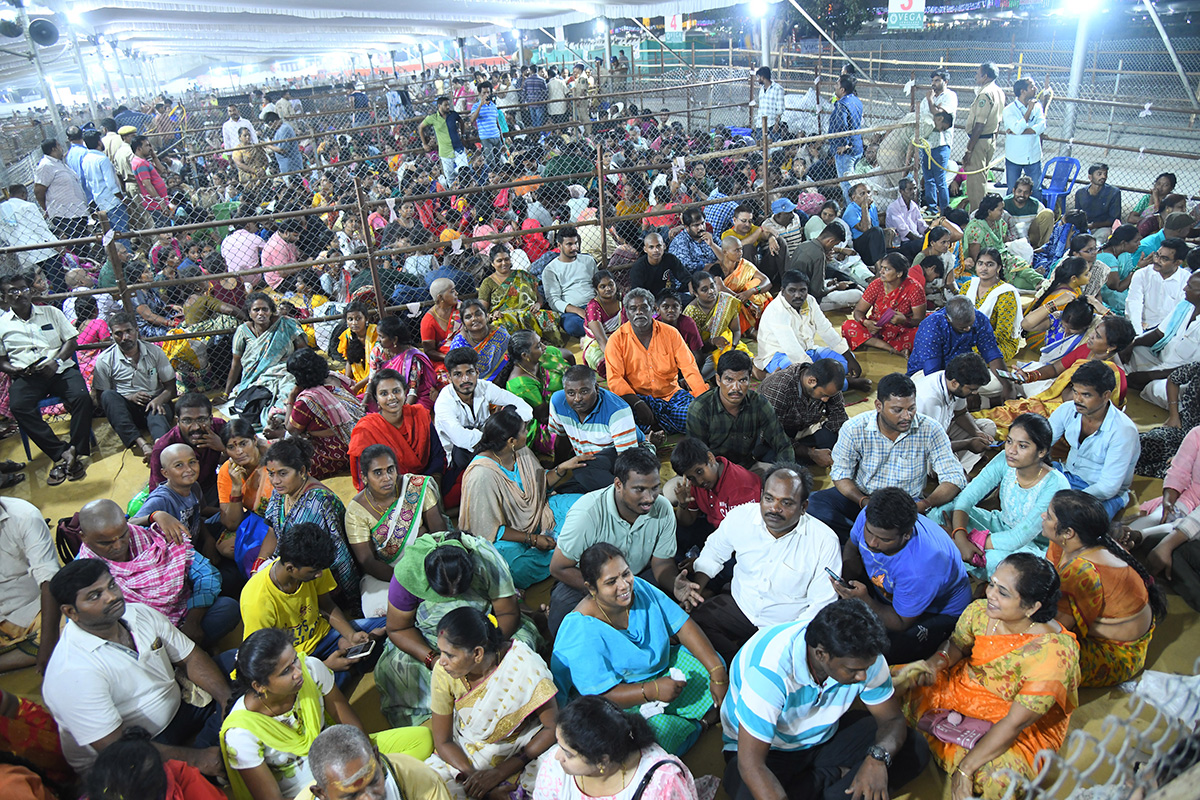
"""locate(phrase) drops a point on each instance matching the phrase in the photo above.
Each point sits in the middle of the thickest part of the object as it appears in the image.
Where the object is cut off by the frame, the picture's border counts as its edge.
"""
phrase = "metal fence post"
(766, 172)
(360, 201)
(601, 201)
(118, 262)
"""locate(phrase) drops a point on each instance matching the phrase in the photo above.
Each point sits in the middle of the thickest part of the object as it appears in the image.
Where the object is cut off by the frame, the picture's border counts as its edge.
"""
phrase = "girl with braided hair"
(1108, 598)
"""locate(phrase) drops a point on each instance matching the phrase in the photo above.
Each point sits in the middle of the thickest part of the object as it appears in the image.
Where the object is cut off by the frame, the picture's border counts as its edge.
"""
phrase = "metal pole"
(83, 76)
(120, 70)
(1187, 86)
(361, 201)
(766, 173)
(1076, 82)
(1112, 110)
(371, 64)
(607, 44)
(462, 54)
(765, 34)
(112, 95)
(601, 200)
(51, 104)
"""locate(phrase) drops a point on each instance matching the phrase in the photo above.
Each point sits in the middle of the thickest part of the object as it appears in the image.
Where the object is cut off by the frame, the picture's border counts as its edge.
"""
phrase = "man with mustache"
(114, 667)
(779, 575)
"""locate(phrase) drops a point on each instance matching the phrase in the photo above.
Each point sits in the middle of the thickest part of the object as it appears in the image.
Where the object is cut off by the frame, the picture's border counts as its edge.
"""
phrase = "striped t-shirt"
(773, 694)
(610, 423)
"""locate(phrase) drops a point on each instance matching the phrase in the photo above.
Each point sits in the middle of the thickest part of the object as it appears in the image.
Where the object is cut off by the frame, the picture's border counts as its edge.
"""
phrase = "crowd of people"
(504, 410)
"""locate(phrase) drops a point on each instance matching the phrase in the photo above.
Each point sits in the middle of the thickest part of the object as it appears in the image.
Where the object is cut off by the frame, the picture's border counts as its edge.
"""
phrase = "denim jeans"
(450, 168)
(537, 116)
(937, 189)
(1013, 171)
(844, 164)
(493, 150)
(118, 218)
(573, 325)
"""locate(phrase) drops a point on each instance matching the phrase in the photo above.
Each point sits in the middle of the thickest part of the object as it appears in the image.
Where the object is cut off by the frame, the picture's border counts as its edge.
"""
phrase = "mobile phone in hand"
(838, 578)
(361, 650)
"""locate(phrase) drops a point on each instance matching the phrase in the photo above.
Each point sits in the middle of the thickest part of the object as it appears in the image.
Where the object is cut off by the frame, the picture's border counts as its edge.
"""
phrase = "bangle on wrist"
(956, 530)
(644, 698)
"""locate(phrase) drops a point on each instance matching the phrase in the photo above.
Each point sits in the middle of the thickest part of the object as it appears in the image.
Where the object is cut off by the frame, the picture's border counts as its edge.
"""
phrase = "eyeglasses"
(17, 292)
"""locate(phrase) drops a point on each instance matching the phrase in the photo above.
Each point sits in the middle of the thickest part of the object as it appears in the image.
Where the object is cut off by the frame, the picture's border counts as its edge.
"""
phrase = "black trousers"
(870, 245)
(24, 396)
(921, 639)
(724, 624)
(128, 419)
(821, 439)
(595, 474)
(817, 771)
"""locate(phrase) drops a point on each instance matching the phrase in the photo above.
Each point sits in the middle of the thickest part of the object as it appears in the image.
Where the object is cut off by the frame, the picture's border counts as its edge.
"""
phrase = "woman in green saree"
(511, 297)
(436, 574)
(988, 229)
(286, 701)
(384, 518)
(537, 372)
(261, 348)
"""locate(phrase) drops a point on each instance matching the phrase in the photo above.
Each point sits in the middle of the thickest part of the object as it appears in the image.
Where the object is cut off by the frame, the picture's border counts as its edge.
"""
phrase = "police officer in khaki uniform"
(982, 124)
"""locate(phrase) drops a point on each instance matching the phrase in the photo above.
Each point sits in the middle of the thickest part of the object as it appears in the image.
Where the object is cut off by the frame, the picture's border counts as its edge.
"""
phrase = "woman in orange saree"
(1002, 687)
(743, 279)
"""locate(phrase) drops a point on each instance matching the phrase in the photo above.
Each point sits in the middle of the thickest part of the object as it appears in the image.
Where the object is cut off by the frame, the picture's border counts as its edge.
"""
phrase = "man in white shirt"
(114, 667)
(1154, 293)
(458, 415)
(943, 395)
(1159, 352)
(231, 126)
(779, 576)
(794, 330)
(1024, 124)
(904, 215)
(28, 614)
(59, 192)
(940, 97)
(24, 224)
(556, 89)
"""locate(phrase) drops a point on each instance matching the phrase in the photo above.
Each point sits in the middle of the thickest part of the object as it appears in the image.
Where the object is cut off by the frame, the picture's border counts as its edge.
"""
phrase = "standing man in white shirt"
(1024, 124)
(943, 396)
(779, 576)
(231, 126)
(24, 223)
(1154, 293)
(771, 102)
(939, 98)
(60, 194)
(556, 88)
(458, 415)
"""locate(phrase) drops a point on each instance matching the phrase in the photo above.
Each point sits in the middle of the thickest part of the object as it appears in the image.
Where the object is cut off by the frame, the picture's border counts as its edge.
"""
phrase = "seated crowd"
(513, 440)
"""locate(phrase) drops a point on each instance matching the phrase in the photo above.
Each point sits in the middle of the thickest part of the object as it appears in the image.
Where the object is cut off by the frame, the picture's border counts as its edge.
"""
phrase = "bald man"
(657, 269)
(158, 567)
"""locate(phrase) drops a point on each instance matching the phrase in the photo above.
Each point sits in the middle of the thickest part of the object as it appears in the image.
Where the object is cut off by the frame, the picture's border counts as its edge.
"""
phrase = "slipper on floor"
(57, 474)
(11, 466)
(11, 479)
(77, 472)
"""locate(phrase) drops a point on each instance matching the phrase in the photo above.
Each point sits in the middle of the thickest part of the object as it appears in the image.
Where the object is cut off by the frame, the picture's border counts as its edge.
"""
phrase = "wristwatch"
(879, 754)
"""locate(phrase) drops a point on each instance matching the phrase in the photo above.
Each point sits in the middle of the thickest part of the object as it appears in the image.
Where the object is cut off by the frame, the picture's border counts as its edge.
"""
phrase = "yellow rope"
(924, 146)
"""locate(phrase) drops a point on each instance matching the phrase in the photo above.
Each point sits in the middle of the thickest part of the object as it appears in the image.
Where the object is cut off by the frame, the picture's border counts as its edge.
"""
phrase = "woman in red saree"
(404, 427)
(440, 324)
(890, 310)
(1002, 687)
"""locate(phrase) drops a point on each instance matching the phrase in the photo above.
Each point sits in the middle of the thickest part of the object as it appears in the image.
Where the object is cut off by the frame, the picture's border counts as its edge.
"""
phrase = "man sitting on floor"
(114, 667)
(1104, 442)
(295, 592)
(36, 348)
(593, 421)
(346, 765)
(942, 396)
(911, 574)
(643, 359)
(1027, 218)
(862, 215)
(1158, 352)
(787, 720)
(632, 515)
(808, 401)
(736, 421)
(794, 330)
(957, 328)
(134, 382)
(779, 575)
(198, 429)
(29, 617)
(159, 568)
(831, 289)
(892, 446)
(461, 409)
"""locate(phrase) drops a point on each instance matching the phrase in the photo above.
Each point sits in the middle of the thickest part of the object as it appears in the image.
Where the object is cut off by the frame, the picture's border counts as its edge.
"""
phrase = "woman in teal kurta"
(1027, 484)
(1119, 254)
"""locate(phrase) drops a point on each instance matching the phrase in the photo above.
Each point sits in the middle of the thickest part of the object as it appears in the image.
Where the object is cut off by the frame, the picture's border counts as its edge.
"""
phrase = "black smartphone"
(361, 650)
(842, 582)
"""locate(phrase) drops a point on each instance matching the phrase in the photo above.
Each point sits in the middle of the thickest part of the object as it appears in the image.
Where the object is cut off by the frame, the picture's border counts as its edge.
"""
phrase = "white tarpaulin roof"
(260, 30)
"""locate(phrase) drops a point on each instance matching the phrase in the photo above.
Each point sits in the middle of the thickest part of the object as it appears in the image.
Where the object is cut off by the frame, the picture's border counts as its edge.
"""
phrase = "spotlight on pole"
(758, 8)
(601, 25)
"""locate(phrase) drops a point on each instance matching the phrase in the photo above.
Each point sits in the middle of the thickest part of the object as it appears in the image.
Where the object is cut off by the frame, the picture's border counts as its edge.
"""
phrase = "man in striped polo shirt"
(785, 720)
(590, 420)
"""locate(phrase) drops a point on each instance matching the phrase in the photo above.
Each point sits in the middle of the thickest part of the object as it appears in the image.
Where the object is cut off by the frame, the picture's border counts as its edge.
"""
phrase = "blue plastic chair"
(1061, 172)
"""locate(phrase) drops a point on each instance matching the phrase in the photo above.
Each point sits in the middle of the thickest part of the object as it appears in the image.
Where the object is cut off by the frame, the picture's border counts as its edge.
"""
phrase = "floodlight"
(601, 25)
(758, 8)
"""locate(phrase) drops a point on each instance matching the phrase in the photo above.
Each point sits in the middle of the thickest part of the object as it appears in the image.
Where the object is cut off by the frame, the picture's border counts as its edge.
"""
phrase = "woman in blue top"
(1119, 254)
(1027, 485)
(617, 643)
(504, 498)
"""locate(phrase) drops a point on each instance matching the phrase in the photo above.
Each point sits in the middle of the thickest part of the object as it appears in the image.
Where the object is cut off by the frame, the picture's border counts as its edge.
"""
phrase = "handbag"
(952, 727)
(641, 790)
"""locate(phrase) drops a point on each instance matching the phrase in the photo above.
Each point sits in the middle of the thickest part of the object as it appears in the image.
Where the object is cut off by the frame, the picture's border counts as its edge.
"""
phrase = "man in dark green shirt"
(737, 423)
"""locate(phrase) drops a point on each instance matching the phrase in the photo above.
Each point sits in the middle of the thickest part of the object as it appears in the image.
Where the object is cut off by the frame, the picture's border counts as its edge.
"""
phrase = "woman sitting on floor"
(323, 409)
(1041, 323)
(998, 300)
(890, 310)
(1108, 598)
(1012, 673)
(1026, 482)
(493, 708)
(716, 316)
(401, 423)
(988, 230)
(617, 643)
(396, 350)
(355, 342)
(511, 296)
(504, 498)
(436, 574)
(478, 333)
(537, 373)
(284, 701)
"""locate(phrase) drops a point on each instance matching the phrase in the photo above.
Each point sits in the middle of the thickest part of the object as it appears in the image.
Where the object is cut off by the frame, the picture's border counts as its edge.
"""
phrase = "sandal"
(10, 466)
(77, 471)
(57, 474)
(11, 479)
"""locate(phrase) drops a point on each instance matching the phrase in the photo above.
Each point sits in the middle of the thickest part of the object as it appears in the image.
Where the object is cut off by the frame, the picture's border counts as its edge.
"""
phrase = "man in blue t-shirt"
(486, 119)
(908, 571)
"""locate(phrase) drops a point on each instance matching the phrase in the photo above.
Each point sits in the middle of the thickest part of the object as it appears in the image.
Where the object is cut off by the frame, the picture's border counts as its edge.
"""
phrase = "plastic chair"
(1061, 172)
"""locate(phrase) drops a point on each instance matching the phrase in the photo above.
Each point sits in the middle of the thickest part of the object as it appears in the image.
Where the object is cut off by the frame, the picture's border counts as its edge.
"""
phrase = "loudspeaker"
(43, 32)
(10, 29)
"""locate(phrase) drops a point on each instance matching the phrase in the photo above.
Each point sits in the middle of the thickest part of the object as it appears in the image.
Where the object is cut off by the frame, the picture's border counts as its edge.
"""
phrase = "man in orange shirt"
(643, 359)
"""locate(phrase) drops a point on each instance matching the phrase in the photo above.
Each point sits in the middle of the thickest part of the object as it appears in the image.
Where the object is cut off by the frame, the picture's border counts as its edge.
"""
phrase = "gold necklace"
(603, 789)
(371, 504)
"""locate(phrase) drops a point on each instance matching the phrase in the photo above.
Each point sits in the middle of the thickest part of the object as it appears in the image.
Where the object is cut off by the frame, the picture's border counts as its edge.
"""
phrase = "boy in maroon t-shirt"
(712, 486)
